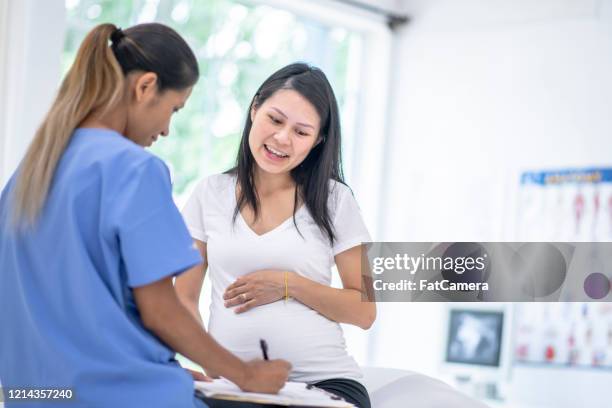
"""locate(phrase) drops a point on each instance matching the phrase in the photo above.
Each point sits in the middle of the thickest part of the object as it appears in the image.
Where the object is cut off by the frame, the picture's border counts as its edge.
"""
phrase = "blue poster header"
(587, 175)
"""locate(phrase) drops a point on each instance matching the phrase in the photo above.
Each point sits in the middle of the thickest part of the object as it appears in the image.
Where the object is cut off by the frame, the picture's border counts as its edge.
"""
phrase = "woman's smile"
(275, 155)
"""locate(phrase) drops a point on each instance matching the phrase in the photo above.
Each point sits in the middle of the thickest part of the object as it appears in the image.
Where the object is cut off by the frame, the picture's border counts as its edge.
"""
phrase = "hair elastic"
(117, 35)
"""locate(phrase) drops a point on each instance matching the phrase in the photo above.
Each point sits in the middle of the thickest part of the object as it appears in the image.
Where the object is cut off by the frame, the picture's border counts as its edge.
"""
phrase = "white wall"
(483, 89)
(4, 36)
(31, 41)
(3, 65)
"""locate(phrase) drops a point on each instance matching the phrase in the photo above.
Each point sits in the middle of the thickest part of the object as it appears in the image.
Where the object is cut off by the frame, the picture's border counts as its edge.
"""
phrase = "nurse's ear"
(145, 87)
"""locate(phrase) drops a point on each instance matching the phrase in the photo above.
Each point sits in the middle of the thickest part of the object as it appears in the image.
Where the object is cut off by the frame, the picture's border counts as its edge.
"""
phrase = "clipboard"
(292, 394)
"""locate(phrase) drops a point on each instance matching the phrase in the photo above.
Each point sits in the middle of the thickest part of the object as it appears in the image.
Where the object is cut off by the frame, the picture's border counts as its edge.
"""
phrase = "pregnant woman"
(272, 228)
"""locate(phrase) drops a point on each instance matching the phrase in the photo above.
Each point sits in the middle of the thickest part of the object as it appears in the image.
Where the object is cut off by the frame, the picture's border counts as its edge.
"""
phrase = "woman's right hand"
(265, 376)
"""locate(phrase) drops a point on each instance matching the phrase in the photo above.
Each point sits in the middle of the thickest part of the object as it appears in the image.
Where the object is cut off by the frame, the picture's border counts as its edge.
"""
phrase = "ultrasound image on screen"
(474, 337)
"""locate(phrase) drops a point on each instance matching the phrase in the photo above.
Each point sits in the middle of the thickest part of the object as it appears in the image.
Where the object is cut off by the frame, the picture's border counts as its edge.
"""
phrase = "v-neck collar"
(279, 227)
(246, 225)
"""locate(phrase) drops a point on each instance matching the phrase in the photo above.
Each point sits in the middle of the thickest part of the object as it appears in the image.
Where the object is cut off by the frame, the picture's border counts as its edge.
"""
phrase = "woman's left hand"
(255, 289)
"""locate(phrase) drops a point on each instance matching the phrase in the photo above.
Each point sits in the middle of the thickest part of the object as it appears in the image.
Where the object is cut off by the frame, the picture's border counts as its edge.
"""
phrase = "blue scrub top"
(67, 311)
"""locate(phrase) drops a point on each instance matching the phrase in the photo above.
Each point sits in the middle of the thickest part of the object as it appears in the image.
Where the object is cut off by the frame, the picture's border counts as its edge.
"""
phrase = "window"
(238, 45)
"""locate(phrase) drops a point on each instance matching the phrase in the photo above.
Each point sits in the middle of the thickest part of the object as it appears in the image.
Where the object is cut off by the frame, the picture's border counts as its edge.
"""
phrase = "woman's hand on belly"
(255, 289)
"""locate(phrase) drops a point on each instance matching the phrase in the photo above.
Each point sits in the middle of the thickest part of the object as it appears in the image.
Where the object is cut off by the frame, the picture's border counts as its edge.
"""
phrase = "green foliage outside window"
(237, 45)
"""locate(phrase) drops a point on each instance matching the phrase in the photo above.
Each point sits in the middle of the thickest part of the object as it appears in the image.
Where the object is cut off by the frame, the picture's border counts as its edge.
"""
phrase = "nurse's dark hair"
(323, 164)
(95, 83)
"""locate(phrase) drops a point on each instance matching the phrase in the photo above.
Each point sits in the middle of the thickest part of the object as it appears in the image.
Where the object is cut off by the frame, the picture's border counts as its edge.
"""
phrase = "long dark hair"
(96, 82)
(323, 163)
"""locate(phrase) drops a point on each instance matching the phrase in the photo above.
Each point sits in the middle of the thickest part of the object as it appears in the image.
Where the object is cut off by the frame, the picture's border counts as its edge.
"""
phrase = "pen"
(264, 348)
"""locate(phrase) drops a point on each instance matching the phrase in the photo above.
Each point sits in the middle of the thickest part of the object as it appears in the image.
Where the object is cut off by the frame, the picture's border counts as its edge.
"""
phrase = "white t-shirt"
(312, 343)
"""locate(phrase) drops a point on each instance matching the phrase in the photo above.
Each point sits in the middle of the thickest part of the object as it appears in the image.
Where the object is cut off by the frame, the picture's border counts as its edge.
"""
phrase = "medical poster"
(564, 334)
(571, 205)
(566, 205)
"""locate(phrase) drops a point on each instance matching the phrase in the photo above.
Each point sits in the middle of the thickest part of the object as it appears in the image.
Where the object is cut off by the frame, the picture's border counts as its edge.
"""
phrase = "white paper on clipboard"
(293, 393)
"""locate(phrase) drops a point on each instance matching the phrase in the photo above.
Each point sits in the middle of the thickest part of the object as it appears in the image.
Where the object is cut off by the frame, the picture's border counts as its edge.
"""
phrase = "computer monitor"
(477, 346)
(475, 337)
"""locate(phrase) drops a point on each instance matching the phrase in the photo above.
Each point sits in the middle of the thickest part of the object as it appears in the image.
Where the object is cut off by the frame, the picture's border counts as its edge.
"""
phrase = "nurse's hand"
(265, 376)
(255, 289)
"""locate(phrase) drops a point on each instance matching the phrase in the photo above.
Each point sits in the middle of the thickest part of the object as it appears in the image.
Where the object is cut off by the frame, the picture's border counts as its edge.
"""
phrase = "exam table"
(393, 388)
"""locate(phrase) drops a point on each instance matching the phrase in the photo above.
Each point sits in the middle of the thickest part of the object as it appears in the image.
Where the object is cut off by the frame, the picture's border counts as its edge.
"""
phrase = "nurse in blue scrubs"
(90, 240)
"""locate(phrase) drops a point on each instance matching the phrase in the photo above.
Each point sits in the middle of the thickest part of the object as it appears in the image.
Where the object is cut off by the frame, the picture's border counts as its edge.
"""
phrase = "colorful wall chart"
(565, 205)
(564, 334)
(571, 205)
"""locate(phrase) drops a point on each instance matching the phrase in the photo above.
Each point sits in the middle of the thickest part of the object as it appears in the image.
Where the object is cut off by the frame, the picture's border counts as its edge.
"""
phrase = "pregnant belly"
(313, 344)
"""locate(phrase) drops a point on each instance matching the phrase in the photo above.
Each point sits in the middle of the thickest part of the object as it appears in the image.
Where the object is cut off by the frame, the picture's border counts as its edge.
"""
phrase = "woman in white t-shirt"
(270, 231)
